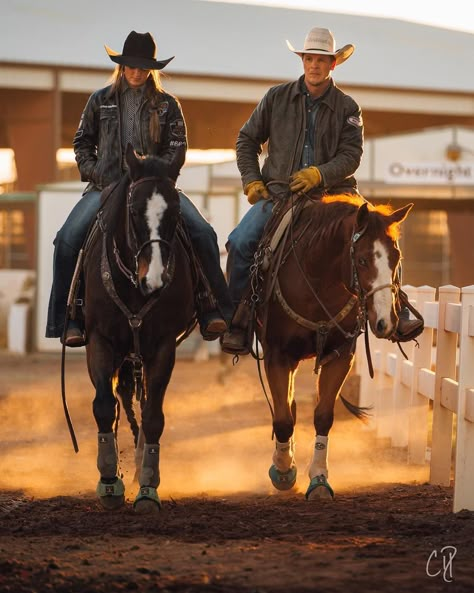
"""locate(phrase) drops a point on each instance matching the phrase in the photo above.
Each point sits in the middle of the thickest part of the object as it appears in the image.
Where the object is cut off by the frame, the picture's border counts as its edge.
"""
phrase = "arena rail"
(426, 403)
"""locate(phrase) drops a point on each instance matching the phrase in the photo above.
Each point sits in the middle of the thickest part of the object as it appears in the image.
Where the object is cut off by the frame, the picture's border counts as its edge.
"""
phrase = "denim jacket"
(97, 142)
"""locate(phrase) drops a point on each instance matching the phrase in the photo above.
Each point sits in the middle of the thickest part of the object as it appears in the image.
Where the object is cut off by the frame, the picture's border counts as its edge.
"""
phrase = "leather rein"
(135, 319)
(359, 298)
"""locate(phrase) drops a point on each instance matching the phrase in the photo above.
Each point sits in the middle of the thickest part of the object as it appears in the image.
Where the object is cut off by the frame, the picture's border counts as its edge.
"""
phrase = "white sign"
(441, 173)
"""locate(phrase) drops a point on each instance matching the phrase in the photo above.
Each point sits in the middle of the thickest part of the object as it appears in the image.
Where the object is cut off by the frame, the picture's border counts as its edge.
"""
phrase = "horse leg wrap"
(319, 464)
(107, 458)
(150, 473)
(284, 455)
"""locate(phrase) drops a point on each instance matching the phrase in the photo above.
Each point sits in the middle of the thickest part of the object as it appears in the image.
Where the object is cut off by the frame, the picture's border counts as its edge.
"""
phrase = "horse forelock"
(153, 166)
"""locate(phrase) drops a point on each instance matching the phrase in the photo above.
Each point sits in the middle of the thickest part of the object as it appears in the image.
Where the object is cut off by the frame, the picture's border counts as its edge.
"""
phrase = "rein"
(322, 328)
(135, 319)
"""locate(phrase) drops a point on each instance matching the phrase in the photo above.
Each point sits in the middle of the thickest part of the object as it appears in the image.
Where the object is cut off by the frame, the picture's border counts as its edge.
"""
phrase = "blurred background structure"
(412, 81)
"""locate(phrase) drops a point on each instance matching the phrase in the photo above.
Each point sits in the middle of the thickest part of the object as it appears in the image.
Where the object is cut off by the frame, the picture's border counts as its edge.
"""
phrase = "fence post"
(419, 405)
(442, 432)
(464, 460)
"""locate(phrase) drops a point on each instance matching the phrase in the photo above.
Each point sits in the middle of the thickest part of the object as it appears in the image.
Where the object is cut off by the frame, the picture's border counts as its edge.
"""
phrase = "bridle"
(133, 243)
(363, 295)
(359, 297)
(135, 318)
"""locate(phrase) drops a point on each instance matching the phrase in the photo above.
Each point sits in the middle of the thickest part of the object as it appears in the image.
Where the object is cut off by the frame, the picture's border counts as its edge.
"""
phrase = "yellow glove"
(305, 179)
(255, 191)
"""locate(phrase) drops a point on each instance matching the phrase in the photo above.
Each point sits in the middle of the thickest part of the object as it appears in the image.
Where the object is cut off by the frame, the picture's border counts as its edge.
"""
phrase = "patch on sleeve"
(354, 121)
(163, 108)
(178, 129)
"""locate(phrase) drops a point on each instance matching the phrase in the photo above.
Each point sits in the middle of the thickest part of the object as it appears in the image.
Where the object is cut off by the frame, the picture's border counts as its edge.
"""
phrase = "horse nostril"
(381, 326)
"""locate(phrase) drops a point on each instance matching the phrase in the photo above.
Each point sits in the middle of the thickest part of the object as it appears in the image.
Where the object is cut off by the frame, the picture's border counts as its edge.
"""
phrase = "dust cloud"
(216, 442)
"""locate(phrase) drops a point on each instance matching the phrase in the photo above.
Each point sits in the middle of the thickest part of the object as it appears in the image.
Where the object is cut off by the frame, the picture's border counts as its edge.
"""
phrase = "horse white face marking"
(383, 298)
(154, 213)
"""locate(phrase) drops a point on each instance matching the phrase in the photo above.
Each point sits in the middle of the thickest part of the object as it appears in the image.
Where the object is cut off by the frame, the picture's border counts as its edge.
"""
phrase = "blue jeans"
(242, 244)
(72, 234)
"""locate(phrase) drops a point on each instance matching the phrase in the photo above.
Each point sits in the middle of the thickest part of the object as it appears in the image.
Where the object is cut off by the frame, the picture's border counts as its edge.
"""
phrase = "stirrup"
(234, 342)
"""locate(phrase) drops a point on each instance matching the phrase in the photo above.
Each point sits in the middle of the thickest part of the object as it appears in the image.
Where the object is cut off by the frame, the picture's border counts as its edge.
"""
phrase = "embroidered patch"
(354, 121)
(178, 129)
(163, 107)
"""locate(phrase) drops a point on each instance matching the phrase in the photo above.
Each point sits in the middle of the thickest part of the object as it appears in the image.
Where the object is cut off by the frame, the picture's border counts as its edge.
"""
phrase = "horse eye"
(363, 261)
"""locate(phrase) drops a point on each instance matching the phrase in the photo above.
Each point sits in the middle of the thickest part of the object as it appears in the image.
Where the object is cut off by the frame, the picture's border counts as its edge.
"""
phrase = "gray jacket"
(97, 142)
(280, 118)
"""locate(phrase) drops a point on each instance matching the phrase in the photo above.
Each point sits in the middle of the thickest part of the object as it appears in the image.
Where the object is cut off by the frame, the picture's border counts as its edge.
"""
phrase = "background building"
(411, 81)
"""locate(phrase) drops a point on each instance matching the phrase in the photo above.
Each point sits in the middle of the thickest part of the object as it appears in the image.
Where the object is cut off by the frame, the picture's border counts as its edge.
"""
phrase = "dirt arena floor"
(223, 528)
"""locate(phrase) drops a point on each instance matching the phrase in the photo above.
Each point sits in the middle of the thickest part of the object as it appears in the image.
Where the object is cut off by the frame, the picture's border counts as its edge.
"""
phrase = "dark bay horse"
(334, 270)
(139, 295)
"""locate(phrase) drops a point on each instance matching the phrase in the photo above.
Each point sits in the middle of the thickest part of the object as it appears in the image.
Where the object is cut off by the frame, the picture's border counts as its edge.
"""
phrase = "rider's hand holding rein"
(255, 191)
(305, 179)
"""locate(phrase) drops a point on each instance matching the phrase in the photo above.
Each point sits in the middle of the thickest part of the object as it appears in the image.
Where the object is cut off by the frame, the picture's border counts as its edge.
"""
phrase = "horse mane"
(329, 213)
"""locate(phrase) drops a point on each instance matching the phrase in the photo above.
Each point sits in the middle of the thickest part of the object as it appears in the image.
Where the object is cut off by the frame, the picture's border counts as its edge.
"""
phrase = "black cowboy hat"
(139, 51)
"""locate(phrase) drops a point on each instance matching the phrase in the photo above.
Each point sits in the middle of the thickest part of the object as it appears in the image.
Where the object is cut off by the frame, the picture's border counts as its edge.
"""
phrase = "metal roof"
(235, 40)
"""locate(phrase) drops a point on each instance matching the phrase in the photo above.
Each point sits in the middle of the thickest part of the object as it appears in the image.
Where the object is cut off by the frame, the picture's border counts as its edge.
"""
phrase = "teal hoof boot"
(147, 501)
(283, 480)
(319, 489)
(111, 495)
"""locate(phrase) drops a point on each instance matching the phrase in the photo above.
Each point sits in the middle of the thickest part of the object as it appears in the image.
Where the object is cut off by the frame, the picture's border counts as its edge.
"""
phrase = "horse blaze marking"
(382, 303)
(154, 214)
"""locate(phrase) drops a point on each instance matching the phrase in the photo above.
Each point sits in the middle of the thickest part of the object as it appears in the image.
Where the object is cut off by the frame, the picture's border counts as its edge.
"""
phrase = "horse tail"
(125, 388)
(361, 413)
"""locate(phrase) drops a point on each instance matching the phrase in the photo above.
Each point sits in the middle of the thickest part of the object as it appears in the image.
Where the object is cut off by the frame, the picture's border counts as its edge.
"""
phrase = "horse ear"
(398, 216)
(132, 161)
(362, 217)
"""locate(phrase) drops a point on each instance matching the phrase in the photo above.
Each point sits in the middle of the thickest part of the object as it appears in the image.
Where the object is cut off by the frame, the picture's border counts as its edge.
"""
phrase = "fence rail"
(426, 403)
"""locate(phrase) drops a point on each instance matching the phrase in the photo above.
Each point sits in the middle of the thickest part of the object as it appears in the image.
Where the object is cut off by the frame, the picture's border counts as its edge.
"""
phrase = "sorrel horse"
(334, 270)
(139, 295)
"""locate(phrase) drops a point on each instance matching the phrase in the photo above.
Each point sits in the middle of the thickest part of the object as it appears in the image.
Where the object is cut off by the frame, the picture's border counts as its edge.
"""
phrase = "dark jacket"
(97, 142)
(280, 118)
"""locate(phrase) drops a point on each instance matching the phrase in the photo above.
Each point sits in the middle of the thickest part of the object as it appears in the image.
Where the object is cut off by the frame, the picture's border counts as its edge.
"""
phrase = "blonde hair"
(152, 91)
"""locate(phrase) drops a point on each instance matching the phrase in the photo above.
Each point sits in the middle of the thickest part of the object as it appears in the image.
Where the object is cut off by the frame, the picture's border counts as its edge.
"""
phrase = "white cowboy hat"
(321, 41)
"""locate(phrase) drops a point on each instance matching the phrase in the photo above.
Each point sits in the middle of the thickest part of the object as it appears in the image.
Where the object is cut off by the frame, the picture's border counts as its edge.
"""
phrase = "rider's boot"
(237, 339)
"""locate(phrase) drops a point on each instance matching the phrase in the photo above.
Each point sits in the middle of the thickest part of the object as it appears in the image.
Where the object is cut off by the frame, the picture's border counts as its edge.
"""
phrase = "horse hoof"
(283, 480)
(147, 501)
(319, 489)
(111, 496)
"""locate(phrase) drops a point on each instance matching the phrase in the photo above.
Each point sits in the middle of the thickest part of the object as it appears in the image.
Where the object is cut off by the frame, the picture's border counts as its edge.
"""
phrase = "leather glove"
(255, 191)
(305, 179)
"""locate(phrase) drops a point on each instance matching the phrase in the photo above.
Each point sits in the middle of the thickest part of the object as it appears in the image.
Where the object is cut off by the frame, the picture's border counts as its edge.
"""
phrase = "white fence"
(426, 404)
